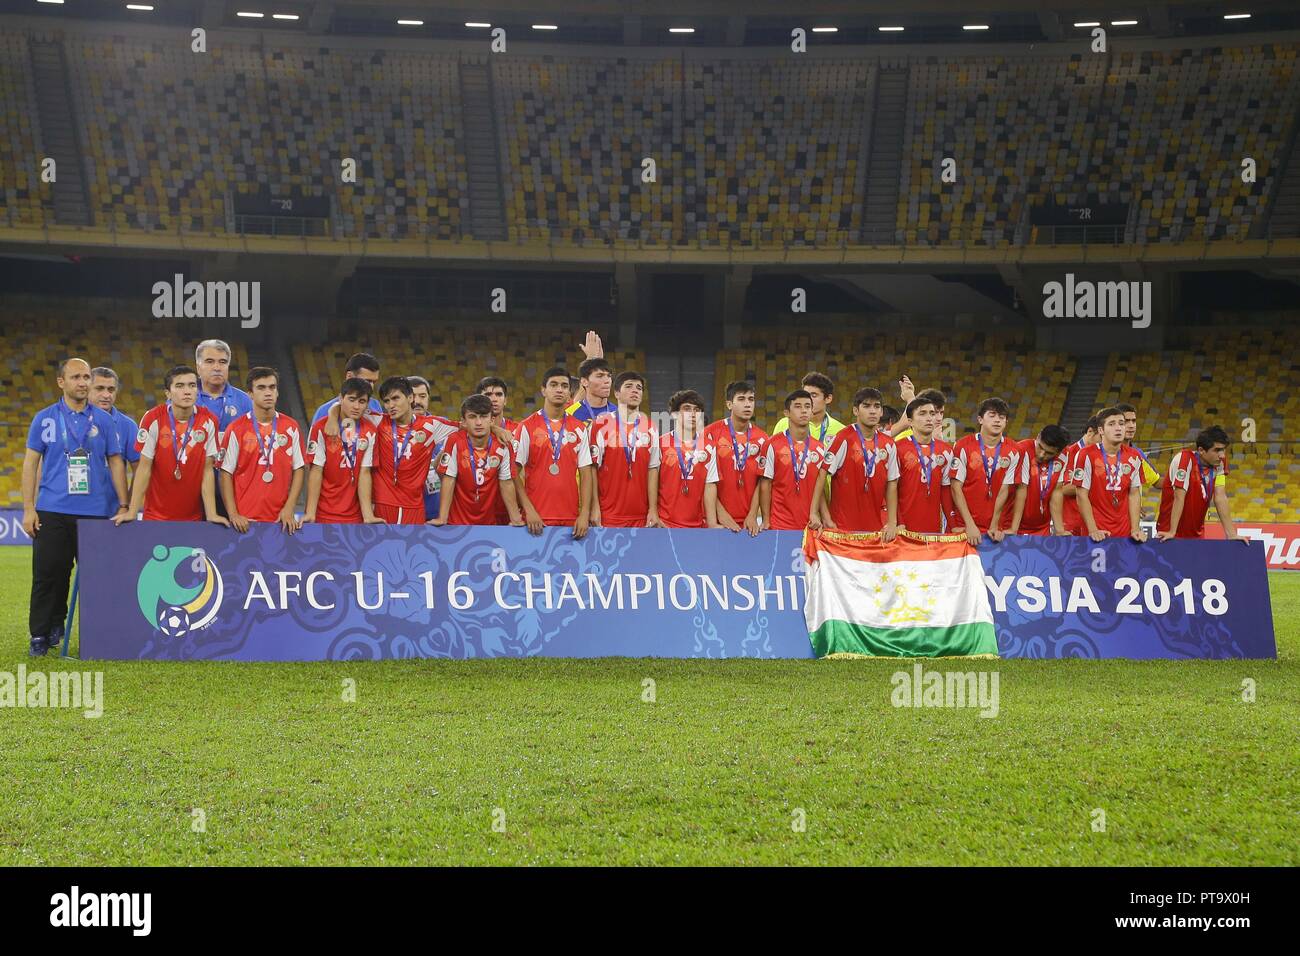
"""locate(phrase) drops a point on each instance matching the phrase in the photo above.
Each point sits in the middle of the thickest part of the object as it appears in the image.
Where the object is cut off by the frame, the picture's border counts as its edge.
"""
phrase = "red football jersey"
(858, 480)
(735, 485)
(623, 463)
(795, 467)
(404, 458)
(478, 473)
(970, 467)
(1187, 472)
(249, 444)
(340, 459)
(1040, 482)
(502, 515)
(170, 498)
(1108, 493)
(554, 495)
(1070, 507)
(681, 482)
(922, 505)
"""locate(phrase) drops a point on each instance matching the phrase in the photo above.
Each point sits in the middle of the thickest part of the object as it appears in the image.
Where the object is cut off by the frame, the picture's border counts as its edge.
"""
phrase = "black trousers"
(54, 551)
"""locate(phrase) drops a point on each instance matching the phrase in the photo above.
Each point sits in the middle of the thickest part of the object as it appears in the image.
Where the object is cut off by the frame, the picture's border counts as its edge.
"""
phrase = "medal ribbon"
(738, 461)
(990, 464)
(399, 452)
(556, 438)
(927, 466)
(868, 461)
(267, 447)
(180, 446)
(799, 464)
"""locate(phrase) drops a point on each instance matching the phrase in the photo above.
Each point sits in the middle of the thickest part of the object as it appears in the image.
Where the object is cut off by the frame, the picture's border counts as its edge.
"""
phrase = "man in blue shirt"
(77, 451)
(104, 386)
(597, 380)
(362, 365)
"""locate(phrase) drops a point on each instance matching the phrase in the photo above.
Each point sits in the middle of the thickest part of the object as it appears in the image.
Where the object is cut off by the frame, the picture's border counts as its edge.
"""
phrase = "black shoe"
(55, 641)
(39, 646)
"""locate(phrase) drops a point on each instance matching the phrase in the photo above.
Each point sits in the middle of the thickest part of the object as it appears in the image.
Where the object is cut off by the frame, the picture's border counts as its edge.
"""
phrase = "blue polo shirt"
(55, 433)
(126, 429)
(584, 412)
(228, 406)
(325, 409)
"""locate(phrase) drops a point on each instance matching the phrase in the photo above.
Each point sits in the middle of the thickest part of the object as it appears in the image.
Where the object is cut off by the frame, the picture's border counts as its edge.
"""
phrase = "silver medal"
(555, 468)
(177, 473)
(267, 476)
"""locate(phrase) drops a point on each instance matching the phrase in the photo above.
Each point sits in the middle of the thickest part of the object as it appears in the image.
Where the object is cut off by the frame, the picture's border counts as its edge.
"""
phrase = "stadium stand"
(750, 151)
(37, 334)
(1219, 376)
(966, 366)
(21, 196)
(1165, 130)
(453, 358)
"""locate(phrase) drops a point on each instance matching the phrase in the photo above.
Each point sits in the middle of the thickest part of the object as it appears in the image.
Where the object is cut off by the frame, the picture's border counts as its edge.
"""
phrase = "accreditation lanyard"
(180, 446)
(64, 412)
(990, 464)
(800, 463)
(400, 451)
(1044, 482)
(821, 429)
(738, 460)
(868, 461)
(927, 464)
(685, 466)
(349, 451)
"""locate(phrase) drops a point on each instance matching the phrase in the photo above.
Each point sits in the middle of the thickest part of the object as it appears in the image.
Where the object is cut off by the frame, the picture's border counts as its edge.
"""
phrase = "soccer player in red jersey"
(475, 471)
(792, 464)
(262, 468)
(555, 480)
(733, 446)
(1068, 520)
(403, 456)
(862, 461)
(979, 466)
(498, 392)
(1195, 481)
(336, 462)
(923, 460)
(1037, 465)
(625, 450)
(683, 465)
(1108, 484)
(180, 439)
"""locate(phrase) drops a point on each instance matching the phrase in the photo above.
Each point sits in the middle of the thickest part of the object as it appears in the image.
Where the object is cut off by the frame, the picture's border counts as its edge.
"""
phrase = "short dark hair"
(417, 380)
(175, 372)
(396, 383)
(868, 394)
(1054, 436)
(1110, 412)
(888, 415)
(925, 398)
(739, 388)
(795, 395)
(1094, 422)
(934, 395)
(556, 371)
(1209, 437)
(478, 403)
(491, 381)
(362, 360)
(593, 365)
(994, 405)
(686, 396)
(818, 380)
(259, 372)
(623, 378)
(1125, 408)
(357, 386)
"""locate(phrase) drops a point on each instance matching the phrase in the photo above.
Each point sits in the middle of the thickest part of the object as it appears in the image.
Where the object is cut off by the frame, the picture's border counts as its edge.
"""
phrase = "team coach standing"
(78, 452)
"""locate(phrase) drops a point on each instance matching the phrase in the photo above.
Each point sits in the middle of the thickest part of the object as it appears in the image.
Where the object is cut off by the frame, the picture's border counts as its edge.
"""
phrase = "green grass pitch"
(573, 767)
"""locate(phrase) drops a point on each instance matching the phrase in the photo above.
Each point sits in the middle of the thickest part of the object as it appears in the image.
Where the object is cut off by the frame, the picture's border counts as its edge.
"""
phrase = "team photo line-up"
(586, 458)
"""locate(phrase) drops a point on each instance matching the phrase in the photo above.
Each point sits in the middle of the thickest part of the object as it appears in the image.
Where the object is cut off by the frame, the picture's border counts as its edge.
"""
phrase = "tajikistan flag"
(918, 596)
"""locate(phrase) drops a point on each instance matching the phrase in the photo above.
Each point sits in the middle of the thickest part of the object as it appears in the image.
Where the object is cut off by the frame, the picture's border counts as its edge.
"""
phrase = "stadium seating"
(21, 191)
(453, 358)
(123, 336)
(749, 150)
(967, 367)
(1220, 376)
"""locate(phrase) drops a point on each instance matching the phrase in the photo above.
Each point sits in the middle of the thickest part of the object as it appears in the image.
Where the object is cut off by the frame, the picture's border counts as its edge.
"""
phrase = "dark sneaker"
(38, 647)
(55, 641)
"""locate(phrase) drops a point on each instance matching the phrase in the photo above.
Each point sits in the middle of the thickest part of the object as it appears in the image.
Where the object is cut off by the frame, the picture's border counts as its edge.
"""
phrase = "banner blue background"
(265, 615)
